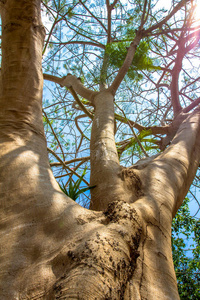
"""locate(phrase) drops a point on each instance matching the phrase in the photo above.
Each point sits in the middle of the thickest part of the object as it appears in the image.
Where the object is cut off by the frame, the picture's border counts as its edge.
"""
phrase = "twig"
(55, 135)
(64, 165)
(135, 136)
(57, 164)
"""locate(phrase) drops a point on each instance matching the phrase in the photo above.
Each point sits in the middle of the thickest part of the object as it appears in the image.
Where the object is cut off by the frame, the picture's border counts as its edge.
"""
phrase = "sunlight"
(197, 11)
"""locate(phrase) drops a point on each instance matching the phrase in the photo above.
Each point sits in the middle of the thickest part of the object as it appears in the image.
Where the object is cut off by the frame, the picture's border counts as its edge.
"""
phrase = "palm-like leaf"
(73, 190)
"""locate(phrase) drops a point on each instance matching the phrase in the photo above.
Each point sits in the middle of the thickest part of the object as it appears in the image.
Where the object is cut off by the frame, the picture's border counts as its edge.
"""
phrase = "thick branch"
(173, 170)
(109, 21)
(192, 105)
(175, 77)
(71, 81)
(182, 50)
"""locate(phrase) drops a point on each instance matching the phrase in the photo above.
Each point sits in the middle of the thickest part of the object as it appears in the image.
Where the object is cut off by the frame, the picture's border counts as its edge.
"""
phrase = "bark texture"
(51, 248)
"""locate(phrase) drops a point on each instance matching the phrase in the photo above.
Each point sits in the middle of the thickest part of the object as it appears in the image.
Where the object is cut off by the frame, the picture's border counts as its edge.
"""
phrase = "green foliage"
(70, 12)
(74, 189)
(141, 61)
(186, 253)
(134, 143)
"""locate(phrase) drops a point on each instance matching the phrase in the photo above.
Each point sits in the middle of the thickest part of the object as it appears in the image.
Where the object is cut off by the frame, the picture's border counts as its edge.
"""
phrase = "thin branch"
(113, 4)
(154, 129)
(143, 19)
(55, 135)
(109, 22)
(195, 198)
(181, 52)
(99, 45)
(64, 165)
(126, 64)
(49, 35)
(135, 135)
(102, 25)
(173, 12)
(70, 25)
(68, 162)
(81, 105)
(79, 129)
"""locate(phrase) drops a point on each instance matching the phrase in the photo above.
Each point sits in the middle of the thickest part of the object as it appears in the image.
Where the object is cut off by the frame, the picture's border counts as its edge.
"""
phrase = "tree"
(120, 248)
(186, 265)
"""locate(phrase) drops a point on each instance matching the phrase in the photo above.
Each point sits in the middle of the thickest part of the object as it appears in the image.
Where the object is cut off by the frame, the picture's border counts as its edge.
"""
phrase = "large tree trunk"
(51, 248)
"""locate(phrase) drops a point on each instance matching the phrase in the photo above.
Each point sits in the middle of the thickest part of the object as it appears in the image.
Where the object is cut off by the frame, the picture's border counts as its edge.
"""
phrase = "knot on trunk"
(130, 224)
(132, 181)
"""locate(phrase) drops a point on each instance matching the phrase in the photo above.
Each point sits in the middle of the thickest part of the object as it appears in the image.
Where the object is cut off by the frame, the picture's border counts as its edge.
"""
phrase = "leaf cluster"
(186, 253)
(117, 53)
(73, 190)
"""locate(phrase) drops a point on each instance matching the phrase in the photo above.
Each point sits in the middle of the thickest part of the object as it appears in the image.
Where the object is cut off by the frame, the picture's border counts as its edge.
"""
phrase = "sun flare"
(197, 11)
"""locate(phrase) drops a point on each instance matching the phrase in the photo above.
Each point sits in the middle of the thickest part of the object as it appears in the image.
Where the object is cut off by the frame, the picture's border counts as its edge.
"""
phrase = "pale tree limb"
(71, 81)
(105, 166)
(52, 78)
